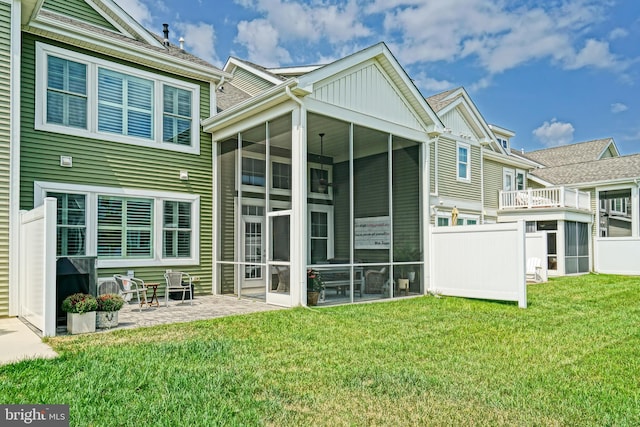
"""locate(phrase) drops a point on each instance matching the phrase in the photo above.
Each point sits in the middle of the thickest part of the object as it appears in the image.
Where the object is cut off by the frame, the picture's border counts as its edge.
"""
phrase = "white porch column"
(299, 232)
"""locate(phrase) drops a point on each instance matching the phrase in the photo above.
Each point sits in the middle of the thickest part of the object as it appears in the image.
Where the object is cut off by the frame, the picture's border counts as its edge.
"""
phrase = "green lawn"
(571, 358)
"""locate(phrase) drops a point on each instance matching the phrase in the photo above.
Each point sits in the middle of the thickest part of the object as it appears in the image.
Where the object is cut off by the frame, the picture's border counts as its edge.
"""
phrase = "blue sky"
(555, 72)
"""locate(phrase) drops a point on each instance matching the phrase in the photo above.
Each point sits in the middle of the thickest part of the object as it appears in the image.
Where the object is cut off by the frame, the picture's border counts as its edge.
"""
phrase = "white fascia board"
(253, 70)
(503, 131)
(381, 53)
(133, 25)
(610, 144)
(30, 9)
(540, 181)
(604, 183)
(510, 160)
(238, 112)
(294, 71)
(71, 33)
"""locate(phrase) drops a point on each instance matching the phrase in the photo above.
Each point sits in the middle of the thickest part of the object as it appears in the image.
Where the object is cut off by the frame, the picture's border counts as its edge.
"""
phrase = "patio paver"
(204, 307)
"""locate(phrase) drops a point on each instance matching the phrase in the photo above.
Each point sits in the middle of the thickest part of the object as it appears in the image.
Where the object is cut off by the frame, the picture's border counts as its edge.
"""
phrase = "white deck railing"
(552, 197)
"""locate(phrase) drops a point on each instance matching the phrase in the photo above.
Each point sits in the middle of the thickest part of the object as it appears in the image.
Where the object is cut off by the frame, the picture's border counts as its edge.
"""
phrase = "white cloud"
(200, 40)
(553, 133)
(618, 33)
(431, 85)
(138, 11)
(262, 43)
(596, 54)
(618, 107)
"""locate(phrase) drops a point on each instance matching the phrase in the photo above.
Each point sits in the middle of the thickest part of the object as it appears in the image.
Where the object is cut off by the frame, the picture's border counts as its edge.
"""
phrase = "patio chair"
(534, 269)
(178, 281)
(130, 286)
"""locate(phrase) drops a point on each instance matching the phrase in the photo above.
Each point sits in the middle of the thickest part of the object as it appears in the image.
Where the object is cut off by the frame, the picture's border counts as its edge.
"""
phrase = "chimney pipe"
(181, 43)
(165, 30)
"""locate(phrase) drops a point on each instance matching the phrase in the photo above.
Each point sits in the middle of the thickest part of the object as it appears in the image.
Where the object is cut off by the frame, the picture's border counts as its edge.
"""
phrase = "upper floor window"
(281, 175)
(125, 104)
(66, 93)
(520, 180)
(253, 171)
(463, 162)
(504, 142)
(98, 99)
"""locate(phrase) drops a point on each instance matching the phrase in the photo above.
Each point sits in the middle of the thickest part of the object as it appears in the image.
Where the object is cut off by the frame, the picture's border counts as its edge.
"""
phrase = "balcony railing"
(552, 197)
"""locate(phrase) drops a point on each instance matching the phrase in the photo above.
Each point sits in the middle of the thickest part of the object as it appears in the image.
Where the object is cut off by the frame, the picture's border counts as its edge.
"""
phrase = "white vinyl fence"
(480, 261)
(38, 266)
(617, 255)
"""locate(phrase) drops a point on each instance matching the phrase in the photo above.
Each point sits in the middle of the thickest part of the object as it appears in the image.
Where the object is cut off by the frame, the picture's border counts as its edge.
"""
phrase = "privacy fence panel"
(38, 267)
(480, 261)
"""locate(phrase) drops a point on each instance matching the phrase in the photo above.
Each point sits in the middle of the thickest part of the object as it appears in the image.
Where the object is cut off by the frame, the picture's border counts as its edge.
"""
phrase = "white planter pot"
(81, 323)
(106, 319)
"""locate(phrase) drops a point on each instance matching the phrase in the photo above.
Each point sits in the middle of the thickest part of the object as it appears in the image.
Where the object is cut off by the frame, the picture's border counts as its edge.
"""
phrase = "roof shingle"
(610, 169)
(569, 154)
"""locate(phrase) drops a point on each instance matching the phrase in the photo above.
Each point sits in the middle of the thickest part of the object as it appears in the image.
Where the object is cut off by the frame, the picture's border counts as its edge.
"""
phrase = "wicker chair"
(178, 281)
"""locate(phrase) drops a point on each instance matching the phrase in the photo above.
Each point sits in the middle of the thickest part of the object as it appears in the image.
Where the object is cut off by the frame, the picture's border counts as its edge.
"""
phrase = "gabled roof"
(447, 101)
(592, 172)
(258, 70)
(229, 95)
(441, 100)
(132, 42)
(574, 153)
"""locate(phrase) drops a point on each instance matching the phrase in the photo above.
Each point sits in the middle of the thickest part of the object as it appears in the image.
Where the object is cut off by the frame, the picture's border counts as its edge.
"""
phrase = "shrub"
(79, 303)
(314, 281)
(110, 302)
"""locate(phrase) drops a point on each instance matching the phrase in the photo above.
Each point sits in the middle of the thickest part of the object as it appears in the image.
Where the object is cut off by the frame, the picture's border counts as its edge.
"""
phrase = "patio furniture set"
(176, 282)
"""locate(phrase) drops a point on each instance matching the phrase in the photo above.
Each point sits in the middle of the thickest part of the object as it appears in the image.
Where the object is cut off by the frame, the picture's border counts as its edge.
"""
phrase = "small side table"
(154, 297)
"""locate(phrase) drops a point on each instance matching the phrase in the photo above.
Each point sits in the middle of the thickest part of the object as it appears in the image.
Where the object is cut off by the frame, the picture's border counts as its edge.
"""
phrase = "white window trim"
(468, 148)
(328, 209)
(512, 173)
(42, 50)
(92, 193)
(260, 189)
(635, 209)
(465, 217)
(524, 179)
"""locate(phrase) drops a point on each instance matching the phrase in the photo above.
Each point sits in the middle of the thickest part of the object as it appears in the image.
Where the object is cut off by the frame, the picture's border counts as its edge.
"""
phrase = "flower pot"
(106, 319)
(312, 297)
(403, 285)
(81, 323)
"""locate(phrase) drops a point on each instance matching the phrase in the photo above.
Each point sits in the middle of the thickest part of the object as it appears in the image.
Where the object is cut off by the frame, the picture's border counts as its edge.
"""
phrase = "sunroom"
(304, 187)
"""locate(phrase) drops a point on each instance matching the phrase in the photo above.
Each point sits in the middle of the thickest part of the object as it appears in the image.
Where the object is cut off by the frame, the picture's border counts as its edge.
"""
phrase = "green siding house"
(110, 127)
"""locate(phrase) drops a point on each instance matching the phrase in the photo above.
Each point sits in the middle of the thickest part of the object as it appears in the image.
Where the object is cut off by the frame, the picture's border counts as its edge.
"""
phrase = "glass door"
(279, 257)
(253, 277)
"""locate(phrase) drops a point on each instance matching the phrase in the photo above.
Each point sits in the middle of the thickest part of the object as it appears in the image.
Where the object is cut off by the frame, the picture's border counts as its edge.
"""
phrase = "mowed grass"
(571, 358)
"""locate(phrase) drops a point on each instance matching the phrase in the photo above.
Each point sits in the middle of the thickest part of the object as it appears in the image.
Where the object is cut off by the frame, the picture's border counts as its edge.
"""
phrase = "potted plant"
(315, 286)
(108, 306)
(81, 313)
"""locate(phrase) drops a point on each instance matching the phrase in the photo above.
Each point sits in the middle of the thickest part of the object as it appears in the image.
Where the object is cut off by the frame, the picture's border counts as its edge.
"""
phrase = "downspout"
(213, 110)
(298, 205)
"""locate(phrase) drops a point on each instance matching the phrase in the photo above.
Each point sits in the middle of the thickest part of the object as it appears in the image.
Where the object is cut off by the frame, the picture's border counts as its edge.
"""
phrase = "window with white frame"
(320, 181)
(71, 224)
(281, 175)
(176, 229)
(615, 214)
(99, 99)
(125, 227)
(253, 171)
(463, 161)
(320, 233)
(66, 93)
(520, 180)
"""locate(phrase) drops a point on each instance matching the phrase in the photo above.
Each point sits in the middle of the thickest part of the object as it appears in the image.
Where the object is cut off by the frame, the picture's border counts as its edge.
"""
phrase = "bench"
(339, 278)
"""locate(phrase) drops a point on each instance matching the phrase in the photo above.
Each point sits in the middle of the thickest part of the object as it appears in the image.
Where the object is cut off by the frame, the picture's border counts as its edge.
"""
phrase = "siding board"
(5, 151)
(112, 164)
(79, 10)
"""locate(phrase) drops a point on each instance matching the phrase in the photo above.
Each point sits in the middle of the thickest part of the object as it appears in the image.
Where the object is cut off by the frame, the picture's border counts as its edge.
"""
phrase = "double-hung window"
(77, 94)
(176, 115)
(463, 161)
(66, 92)
(71, 228)
(176, 230)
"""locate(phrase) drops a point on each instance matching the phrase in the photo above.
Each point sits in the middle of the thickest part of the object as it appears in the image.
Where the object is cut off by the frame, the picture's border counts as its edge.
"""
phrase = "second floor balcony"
(551, 197)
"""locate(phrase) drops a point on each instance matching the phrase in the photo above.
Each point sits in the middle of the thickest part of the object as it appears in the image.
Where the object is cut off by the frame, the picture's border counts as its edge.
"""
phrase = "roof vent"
(165, 30)
(181, 43)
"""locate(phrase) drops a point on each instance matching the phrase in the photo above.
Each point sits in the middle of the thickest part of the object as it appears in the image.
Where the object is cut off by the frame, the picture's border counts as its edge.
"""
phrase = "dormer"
(503, 136)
